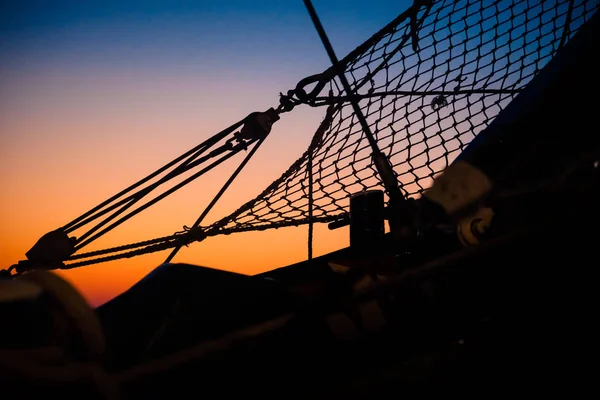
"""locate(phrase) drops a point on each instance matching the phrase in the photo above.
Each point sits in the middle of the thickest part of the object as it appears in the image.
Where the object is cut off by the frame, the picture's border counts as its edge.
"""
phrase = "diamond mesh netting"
(428, 83)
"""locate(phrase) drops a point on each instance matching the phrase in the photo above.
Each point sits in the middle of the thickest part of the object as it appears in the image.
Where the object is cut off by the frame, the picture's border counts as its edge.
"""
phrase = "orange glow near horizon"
(66, 157)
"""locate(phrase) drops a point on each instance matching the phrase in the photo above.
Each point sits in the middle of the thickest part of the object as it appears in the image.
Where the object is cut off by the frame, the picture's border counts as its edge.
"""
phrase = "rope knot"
(189, 235)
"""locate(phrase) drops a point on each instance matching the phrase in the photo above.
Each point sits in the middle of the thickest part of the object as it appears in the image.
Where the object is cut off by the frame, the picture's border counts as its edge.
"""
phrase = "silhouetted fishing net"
(429, 82)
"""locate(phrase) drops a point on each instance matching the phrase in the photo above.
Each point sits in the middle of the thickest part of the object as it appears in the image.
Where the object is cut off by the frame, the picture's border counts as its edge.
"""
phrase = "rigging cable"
(262, 136)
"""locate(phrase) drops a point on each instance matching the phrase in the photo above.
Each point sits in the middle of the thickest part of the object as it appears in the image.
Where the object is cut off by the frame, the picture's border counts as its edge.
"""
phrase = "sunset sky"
(95, 95)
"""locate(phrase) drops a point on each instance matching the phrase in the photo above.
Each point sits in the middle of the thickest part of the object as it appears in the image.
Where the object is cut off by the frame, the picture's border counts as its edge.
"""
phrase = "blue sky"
(188, 36)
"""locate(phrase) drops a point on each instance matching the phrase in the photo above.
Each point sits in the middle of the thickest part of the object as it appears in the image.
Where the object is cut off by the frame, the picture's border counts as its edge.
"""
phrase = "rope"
(183, 240)
(397, 93)
(231, 152)
(184, 159)
(220, 193)
(122, 248)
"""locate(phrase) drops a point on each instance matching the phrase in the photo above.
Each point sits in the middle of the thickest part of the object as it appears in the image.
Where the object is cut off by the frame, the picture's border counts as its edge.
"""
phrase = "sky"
(95, 95)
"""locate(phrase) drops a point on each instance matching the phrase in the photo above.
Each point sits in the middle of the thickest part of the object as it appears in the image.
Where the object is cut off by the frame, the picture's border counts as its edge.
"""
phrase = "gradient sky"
(95, 95)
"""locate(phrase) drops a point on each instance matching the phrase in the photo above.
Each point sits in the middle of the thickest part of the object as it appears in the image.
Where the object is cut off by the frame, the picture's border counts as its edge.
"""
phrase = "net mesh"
(428, 83)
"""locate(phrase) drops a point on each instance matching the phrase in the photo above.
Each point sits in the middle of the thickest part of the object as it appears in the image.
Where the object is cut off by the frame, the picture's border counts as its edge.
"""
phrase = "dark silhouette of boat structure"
(483, 280)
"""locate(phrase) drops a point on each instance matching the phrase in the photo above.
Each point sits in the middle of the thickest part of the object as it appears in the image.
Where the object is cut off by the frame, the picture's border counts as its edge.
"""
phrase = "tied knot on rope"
(287, 102)
(189, 235)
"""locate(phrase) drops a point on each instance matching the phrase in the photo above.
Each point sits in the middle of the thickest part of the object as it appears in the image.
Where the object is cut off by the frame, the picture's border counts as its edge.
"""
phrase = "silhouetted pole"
(384, 168)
